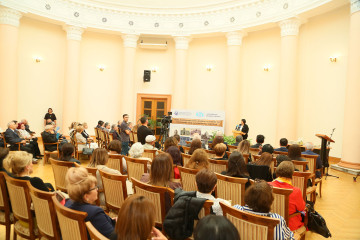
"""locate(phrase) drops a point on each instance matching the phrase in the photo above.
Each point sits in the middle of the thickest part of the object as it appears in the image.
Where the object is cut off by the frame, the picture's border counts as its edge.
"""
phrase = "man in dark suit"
(309, 147)
(143, 130)
(243, 127)
(283, 145)
(49, 136)
(13, 138)
(259, 141)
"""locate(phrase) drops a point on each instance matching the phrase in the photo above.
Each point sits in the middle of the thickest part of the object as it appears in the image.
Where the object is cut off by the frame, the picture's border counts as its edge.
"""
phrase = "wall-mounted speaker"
(147, 75)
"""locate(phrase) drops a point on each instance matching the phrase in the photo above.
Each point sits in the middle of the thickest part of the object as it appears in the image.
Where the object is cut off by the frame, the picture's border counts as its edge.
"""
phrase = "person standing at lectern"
(243, 127)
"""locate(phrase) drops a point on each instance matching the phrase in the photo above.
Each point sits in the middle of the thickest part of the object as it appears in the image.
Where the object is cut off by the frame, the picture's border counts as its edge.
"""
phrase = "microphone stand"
(327, 168)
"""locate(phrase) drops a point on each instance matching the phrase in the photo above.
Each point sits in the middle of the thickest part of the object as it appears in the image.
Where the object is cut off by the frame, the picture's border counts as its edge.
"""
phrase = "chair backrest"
(20, 201)
(218, 166)
(94, 233)
(254, 151)
(102, 137)
(206, 209)
(71, 222)
(115, 190)
(160, 151)
(96, 133)
(250, 226)
(211, 153)
(186, 158)
(280, 204)
(136, 167)
(312, 162)
(187, 177)
(149, 153)
(300, 180)
(272, 165)
(232, 148)
(259, 172)
(155, 194)
(276, 153)
(60, 169)
(4, 198)
(246, 157)
(93, 171)
(115, 162)
(186, 149)
(44, 208)
(231, 188)
(300, 165)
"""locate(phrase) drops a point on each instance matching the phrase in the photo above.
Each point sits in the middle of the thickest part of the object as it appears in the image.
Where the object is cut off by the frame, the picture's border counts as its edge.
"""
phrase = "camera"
(167, 119)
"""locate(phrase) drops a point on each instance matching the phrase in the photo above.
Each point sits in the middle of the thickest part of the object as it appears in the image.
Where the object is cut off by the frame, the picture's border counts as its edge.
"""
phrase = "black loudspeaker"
(147, 75)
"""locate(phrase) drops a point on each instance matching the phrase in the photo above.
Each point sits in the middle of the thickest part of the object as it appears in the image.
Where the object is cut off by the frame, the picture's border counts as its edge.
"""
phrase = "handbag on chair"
(316, 223)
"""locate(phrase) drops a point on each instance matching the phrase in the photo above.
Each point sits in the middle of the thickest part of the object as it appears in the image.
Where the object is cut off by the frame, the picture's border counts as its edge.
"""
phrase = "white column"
(287, 95)
(179, 96)
(351, 145)
(72, 76)
(233, 81)
(128, 95)
(9, 31)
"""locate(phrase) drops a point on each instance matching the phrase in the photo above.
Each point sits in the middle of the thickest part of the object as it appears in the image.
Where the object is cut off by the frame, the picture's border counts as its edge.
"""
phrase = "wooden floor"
(339, 205)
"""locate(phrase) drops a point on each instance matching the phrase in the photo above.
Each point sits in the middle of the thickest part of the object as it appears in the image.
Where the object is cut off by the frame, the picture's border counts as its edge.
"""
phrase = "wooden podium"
(323, 155)
(237, 133)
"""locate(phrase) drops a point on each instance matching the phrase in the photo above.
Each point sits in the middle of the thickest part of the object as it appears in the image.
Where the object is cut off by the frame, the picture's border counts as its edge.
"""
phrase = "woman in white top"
(115, 149)
(27, 136)
(82, 140)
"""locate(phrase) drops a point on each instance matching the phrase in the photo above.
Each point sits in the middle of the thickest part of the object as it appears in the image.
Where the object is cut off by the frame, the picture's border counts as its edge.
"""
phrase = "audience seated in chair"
(170, 141)
(100, 125)
(237, 167)
(283, 145)
(150, 142)
(49, 136)
(218, 139)
(238, 140)
(115, 149)
(81, 139)
(177, 137)
(244, 148)
(83, 192)
(259, 141)
(98, 160)
(215, 227)
(107, 127)
(261, 168)
(220, 152)
(136, 220)
(137, 150)
(267, 148)
(67, 152)
(281, 158)
(198, 160)
(295, 154)
(27, 136)
(205, 183)
(176, 160)
(21, 166)
(85, 134)
(27, 127)
(195, 144)
(258, 200)
(309, 147)
(284, 173)
(115, 132)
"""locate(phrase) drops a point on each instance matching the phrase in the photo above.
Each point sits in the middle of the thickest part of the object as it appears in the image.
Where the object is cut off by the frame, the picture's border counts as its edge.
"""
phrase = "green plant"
(228, 139)
(152, 123)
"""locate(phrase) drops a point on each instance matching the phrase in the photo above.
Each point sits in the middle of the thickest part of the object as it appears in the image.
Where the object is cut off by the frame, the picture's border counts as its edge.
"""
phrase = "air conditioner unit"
(155, 45)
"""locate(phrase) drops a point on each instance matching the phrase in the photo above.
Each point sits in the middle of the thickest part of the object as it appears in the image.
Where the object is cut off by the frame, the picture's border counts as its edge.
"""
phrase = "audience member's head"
(100, 123)
(177, 137)
(115, 146)
(161, 169)
(244, 147)
(214, 227)
(49, 128)
(81, 185)
(136, 218)
(21, 163)
(281, 158)
(239, 138)
(85, 125)
(67, 151)
(99, 157)
(220, 149)
(11, 125)
(267, 148)
(294, 152)
(175, 155)
(144, 120)
(265, 159)
(217, 139)
(170, 141)
(206, 181)
(79, 129)
(107, 125)
(4, 152)
(259, 197)
(196, 136)
(150, 139)
(309, 146)
(285, 169)
(236, 165)
(114, 127)
(260, 138)
(136, 150)
(283, 142)
(198, 160)
(195, 144)
(73, 125)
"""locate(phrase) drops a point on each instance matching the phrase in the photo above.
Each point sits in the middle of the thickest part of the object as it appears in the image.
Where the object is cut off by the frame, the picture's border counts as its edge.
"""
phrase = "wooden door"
(154, 109)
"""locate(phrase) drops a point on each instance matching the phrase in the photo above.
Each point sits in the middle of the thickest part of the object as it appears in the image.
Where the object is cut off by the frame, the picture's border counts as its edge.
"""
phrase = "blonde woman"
(198, 160)
(81, 139)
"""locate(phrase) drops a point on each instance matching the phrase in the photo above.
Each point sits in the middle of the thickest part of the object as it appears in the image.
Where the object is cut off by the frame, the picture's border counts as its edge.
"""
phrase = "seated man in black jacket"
(49, 136)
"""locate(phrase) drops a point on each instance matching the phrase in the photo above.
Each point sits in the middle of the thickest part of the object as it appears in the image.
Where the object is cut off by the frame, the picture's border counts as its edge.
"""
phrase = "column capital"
(235, 38)
(355, 6)
(74, 32)
(130, 40)
(10, 16)
(182, 42)
(290, 27)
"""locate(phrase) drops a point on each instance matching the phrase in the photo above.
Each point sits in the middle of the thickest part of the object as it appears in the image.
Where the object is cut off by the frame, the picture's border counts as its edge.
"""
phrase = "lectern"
(237, 133)
(323, 155)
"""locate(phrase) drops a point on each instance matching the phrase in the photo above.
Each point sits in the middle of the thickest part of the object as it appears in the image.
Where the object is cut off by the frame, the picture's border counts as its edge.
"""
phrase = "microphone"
(237, 127)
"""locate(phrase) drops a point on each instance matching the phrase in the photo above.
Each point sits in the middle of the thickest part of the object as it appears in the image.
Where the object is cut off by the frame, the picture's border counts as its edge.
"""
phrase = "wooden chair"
(21, 206)
(300, 165)
(211, 153)
(136, 167)
(186, 158)
(77, 151)
(276, 153)
(60, 169)
(232, 148)
(6, 217)
(72, 223)
(312, 168)
(94, 233)
(218, 166)
(250, 226)
(186, 149)
(97, 136)
(160, 151)
(93, 171)
(280, 204)
(149, 153)
(115, 162)
(272, 165)
(187, 177)
(47, 154)
(254, 151)
(7, 145)
(157, 195)
(115, 190)
(231, 188)
(300, 180)
(102, 138)
(246, 158)
(44, 208)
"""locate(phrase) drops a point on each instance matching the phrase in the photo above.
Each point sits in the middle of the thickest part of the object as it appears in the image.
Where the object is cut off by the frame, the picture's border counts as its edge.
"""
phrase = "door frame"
(141, 96)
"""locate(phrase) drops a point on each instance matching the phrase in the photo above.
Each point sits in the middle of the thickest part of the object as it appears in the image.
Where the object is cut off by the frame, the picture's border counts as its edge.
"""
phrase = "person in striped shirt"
(258, 200)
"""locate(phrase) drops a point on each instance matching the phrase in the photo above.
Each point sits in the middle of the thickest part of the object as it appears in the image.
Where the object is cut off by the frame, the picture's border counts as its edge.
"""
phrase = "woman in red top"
(284, 174)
